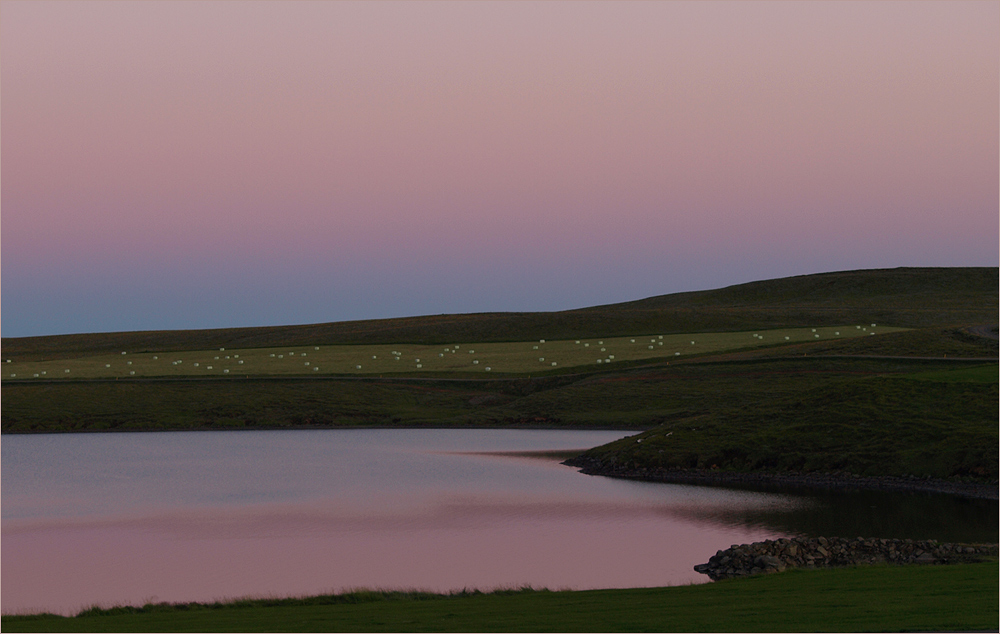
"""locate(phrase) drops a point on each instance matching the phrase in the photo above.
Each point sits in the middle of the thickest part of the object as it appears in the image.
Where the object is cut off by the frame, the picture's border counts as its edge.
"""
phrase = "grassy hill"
(855, 405)
(903, 297)
(939, 424)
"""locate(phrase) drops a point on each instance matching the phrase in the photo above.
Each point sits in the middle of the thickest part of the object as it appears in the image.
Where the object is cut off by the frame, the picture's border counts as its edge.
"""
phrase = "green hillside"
(903, 297)
(939, 424)
(918, 402)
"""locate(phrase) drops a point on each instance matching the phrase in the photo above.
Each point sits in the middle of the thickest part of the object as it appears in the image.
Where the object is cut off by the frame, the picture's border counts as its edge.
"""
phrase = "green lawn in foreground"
(463, 357)
(886, 598)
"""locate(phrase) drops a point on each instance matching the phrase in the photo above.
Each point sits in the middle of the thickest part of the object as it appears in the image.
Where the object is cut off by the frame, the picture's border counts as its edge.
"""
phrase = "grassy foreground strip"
(880, 598)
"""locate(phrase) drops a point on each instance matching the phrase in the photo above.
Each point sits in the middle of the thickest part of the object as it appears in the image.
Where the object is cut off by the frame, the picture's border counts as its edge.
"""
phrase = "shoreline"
(834, 481)
(31, 432)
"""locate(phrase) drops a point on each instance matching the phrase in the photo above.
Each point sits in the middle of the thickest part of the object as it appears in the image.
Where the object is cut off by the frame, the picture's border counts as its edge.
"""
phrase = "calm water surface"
(131, 518)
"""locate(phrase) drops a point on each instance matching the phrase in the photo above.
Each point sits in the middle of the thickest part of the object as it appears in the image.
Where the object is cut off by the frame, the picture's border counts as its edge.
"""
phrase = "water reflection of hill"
(902, 515)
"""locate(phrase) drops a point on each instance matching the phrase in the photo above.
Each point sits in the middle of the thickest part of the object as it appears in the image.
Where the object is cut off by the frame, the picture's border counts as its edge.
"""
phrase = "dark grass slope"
(905, 297)
(911, 288)
(866, 425)
(880, 598)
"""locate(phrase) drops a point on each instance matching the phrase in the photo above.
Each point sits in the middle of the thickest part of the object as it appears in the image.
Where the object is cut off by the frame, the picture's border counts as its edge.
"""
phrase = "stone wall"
(821, 552)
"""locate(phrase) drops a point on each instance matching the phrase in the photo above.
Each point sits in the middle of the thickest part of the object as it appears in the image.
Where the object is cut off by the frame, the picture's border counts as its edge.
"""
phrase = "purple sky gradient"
(197, 165)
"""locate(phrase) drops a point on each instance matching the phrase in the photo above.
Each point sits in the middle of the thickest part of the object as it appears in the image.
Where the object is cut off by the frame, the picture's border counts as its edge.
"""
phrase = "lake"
(122, 518)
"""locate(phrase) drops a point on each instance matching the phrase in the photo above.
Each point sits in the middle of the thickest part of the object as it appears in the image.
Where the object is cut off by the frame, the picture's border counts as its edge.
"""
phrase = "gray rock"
(767, 561)
(775, 556)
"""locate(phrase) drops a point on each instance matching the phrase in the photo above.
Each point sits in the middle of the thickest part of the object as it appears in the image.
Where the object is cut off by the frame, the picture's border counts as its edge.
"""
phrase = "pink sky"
(185, 165)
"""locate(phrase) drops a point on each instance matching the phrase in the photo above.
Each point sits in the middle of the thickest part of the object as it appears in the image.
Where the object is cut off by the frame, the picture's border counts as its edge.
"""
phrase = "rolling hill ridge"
(902, 297)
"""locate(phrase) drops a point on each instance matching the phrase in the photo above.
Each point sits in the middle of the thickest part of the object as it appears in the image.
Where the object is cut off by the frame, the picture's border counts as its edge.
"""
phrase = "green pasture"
(868, 425)
(877, 598)
(507, 357)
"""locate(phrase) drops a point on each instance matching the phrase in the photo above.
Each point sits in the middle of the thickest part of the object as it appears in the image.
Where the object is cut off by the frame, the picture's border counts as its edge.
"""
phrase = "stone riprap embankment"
(822, 552)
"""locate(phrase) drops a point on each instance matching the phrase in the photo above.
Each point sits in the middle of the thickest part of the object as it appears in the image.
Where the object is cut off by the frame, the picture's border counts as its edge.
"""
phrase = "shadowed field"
(884, 598)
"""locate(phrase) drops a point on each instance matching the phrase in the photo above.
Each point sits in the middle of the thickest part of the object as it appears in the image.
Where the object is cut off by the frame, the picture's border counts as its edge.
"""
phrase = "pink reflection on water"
(64, 566)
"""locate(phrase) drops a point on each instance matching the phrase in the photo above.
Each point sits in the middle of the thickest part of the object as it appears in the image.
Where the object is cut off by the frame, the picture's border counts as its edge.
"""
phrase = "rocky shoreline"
(592, 466)
(826, 552)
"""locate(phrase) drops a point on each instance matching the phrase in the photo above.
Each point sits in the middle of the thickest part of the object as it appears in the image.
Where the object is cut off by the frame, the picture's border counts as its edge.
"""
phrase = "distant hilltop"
(902, 297)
